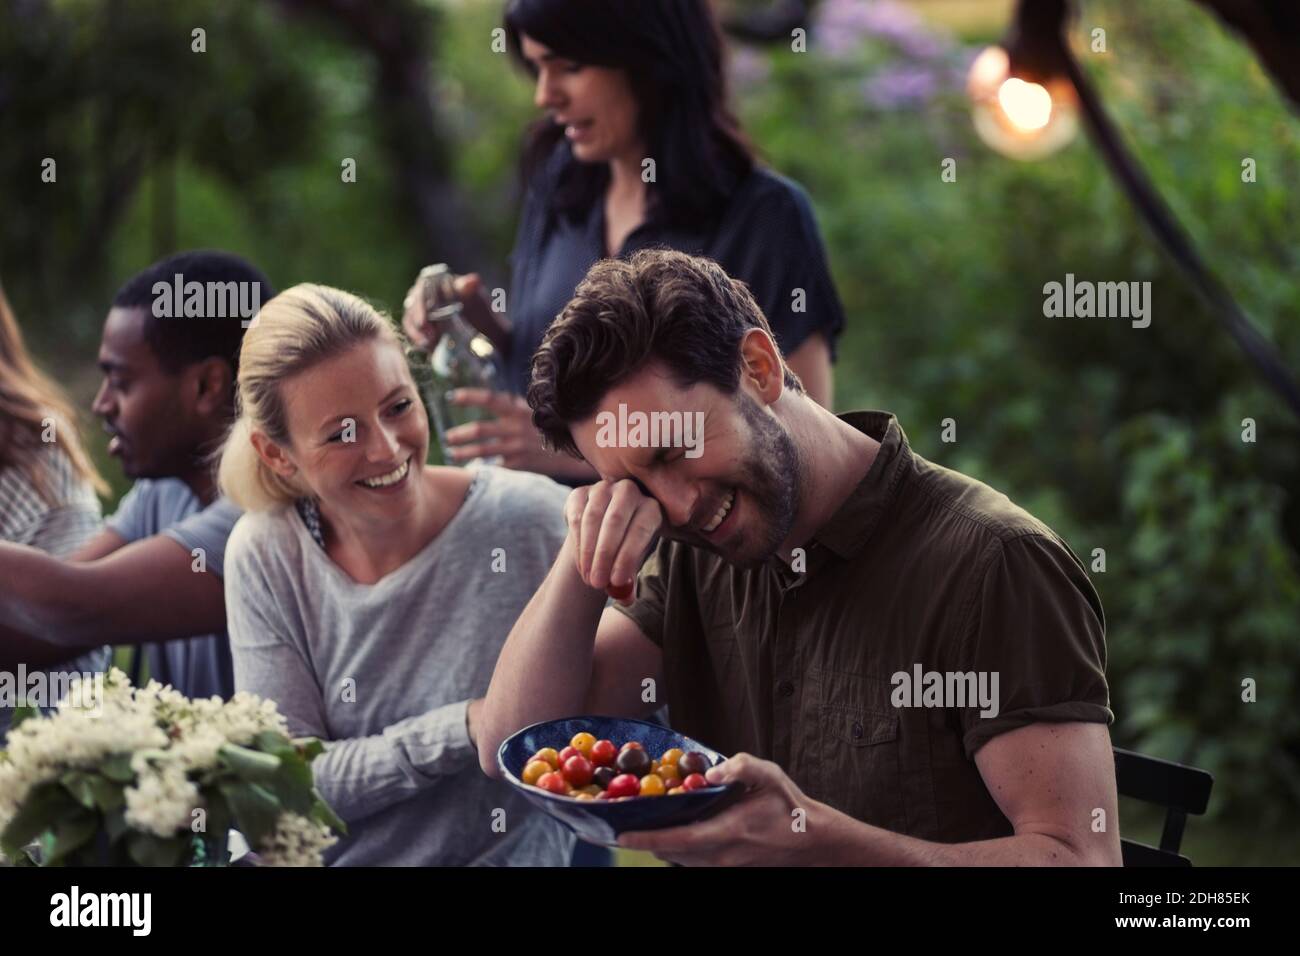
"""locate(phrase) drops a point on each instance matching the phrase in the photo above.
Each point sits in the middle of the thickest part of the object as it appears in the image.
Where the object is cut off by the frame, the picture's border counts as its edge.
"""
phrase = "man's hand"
(769, 826)
(611, 525)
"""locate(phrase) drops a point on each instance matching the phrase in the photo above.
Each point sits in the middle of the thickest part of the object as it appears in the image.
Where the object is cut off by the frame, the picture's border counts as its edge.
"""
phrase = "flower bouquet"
(146, 776)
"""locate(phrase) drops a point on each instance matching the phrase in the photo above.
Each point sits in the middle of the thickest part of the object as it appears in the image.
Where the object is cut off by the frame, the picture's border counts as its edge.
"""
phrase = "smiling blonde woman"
(368, 593)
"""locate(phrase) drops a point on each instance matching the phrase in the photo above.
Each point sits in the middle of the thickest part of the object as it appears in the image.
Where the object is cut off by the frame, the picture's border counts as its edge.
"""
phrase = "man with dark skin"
(782, 481)
(153, 573)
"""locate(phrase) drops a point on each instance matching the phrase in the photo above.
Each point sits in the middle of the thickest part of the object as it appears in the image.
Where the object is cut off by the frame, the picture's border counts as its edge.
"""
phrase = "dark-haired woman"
(638, 148)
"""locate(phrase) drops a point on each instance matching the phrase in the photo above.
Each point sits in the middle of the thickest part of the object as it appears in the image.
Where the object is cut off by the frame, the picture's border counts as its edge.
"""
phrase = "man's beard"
(772, 472)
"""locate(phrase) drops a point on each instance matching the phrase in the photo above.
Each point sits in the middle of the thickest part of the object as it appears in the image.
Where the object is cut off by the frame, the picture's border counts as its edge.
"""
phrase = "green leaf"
(219, 816)
(294, 785)
(115, 824)
(45, 805)
(309, 748)
(147, 849)
(322, 812)
(250, 765)
(271, 742)
(118, 768)
(256, 809)
(108, 795)
(68, 835)
(78, 783)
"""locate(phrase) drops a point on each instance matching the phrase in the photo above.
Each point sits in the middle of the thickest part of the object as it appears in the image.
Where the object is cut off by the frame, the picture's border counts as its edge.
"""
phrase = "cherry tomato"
(583, 742)
(620, 592)
(633, 761)
(603, 775)
(578, 770)
(670, 757)
(668, 773)
(568, 752)
(583, 795)
(630, 745)
(693, 762)
(534, 769)
(652, 786)
(552, 782)
(624, 785)
(549, 755)
(695, 781)
(602, 753)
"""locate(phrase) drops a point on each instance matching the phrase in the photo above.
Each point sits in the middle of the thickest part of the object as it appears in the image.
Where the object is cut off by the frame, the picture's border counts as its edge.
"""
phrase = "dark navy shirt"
(767, 237)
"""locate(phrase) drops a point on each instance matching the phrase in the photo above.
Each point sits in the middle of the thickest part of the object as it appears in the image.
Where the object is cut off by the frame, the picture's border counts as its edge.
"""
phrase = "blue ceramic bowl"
(601, 821)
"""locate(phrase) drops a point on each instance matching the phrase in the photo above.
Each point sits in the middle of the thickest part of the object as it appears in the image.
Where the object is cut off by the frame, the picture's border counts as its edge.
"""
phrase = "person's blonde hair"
(297, 329)
(29, 399)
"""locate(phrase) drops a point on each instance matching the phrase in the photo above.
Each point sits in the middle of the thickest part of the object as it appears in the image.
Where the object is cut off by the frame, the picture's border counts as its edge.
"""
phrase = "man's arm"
(1048, 779)
(141, 592)
(568, 654)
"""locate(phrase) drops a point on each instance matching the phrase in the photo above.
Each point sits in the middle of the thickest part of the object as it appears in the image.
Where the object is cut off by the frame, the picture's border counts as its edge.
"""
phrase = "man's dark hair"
(682, 310)
(673, 53)
(183, 340)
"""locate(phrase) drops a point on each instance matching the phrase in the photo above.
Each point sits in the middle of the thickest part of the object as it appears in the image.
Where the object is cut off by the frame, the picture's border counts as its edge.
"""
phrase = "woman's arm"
(357, 776)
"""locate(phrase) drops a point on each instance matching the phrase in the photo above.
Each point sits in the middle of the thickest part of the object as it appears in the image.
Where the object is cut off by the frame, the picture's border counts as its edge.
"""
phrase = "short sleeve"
(776, 249)
(131, 520)
(1038, 626)
(649, 609)
(208, 530)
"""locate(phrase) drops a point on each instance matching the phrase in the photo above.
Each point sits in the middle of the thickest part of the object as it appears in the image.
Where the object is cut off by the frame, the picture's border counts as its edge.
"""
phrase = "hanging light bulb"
(1024, 117)
(1022, 100)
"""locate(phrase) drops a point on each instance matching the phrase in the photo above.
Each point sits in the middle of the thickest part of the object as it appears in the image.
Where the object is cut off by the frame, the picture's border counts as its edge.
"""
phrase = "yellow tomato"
(534, 770)
(670, 758)
(652, 785)
(583, 742)
(549, 755)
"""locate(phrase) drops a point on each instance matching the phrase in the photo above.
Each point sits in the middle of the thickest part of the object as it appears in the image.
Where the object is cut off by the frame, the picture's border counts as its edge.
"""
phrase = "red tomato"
(694, 782)
(553, 783)
(603, 753)
(624, 785)
(619, 592)
(568, 752)
(630, 744)
(578, 770)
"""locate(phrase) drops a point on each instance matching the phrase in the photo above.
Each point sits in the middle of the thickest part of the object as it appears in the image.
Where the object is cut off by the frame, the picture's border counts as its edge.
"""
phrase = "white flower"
(161, 802)
(296, 841)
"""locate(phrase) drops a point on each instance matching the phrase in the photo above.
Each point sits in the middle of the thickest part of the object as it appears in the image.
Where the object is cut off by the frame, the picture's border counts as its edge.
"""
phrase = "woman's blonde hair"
(297, 329)
(28, 400)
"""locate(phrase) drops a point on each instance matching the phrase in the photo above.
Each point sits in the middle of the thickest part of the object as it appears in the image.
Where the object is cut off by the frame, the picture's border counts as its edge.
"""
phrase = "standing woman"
(638, 148)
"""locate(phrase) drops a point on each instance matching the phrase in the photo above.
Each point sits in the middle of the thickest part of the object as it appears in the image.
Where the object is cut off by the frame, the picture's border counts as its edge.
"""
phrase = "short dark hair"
(674, 56)
(178, 342)
(682, 310)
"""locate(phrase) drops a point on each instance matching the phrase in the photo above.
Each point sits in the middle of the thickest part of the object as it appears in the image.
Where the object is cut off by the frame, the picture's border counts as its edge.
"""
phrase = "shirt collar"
(848, 529)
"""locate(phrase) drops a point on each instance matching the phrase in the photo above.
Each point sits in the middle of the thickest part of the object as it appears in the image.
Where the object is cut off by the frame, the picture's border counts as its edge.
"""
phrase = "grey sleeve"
(208, 530)
(359, 776)
(130, 520)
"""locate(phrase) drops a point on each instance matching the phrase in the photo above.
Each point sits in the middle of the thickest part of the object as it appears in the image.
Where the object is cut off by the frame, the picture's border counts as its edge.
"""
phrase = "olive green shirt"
(920, 566)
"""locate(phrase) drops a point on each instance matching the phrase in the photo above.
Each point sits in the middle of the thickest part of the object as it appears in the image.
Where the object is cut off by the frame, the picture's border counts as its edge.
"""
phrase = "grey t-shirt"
(198, 666)
(385, 671)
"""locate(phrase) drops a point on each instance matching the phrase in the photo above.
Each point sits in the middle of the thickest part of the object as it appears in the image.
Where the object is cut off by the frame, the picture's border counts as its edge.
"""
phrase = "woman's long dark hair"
(672, 51)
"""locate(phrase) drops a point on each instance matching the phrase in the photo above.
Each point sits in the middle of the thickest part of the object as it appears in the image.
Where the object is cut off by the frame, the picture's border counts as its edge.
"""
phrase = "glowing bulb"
(1018, 118)
(1027, 105)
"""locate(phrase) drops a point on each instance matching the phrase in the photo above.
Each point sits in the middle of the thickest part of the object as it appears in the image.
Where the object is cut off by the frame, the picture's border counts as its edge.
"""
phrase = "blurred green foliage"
(1123, 439)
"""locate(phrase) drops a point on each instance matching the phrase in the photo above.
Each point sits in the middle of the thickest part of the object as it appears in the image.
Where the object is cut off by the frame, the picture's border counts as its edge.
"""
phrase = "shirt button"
(785, 688)
(857, 730)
